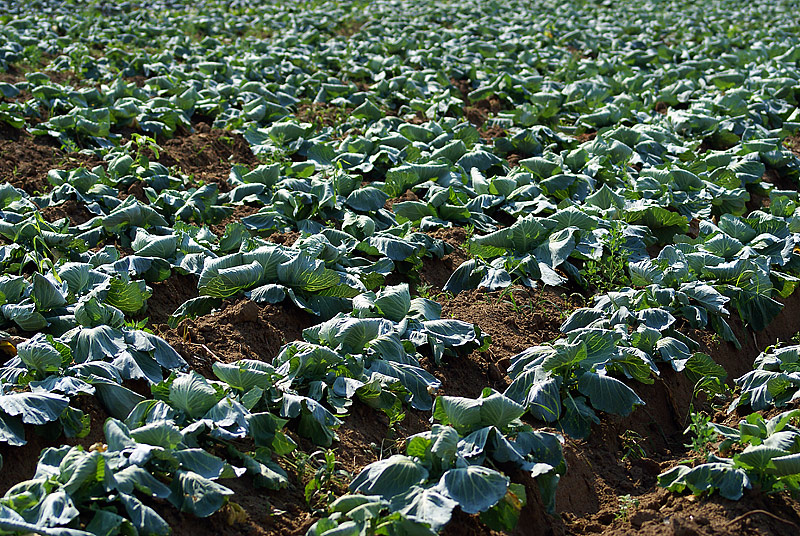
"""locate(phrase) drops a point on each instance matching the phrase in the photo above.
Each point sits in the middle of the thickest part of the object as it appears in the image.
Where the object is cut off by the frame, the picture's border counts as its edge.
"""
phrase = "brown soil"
(463, 86)
(435, 272)
(74, 211)
(24, 162)
(586, 136)
(207, 154)
(19, 463)
(239, 212)
(781, 182)
(480, 111)
(266, 512)
(493, 132)
(793, 144)
(513, 159)
(284, 239)
(773, 177)
(407, 196)
(515, 318)
(240, 330)
(347, 28)
(167, 296)
(600, 472)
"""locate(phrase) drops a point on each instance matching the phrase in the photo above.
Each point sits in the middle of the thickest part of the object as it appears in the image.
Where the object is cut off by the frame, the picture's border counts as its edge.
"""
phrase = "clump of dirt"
(580, 54)
(24, 162)
(514, 158)
(207, 154)
(493, 132)
(7, 132)
(781, 182)
(239, 212)
(455, 236)
(479, 112)
(661, 513)
(712, 143)
(775, 178)
(661, 107)
(407, 196)
(19, 463)
(349, 27)
(586, 136)
(167, 296)
(263, 512)
(240, 330)
(793, 144)
(435, 272)
(516, 318)
(284, 239)
(463, 86)
(74, 211)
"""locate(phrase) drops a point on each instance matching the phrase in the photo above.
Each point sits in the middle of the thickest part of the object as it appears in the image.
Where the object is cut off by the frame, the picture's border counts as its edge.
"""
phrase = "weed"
(507, 296)
(626, 505)
(610, 272)
(702, 433)
(321, 488)
(139, 143)
(428, 291)
(139, 325)
(425, 290)
(632, 446)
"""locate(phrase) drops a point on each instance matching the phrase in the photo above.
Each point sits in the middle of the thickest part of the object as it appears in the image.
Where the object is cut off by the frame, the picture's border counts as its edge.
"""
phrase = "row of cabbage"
(642, 182)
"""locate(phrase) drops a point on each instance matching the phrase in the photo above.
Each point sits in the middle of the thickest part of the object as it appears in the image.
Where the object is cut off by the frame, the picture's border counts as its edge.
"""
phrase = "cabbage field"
(399, 267)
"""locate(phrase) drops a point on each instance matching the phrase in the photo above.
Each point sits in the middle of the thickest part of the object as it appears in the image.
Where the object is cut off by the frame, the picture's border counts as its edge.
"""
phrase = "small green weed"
(632, 446)
(326, 480)
(626, 506)
(610, 272)
(702, 434)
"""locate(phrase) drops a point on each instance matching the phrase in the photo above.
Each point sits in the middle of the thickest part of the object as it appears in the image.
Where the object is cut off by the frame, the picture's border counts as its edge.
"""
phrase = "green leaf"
(389, 477)
(474, 488)
(35, 408)
(160, 434)
(498, 410)
(222, 282)
(431, 506)
(46, 294)
(39, 355)
(722, 476)
(144, 518)
(463, 414)
(245, 374)
(307, 274)
(788, 465)
(128, 297)
(192, 394)
(608, 394)
(757, 457)
(11, 431)
(394, 302)
(196, 494)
